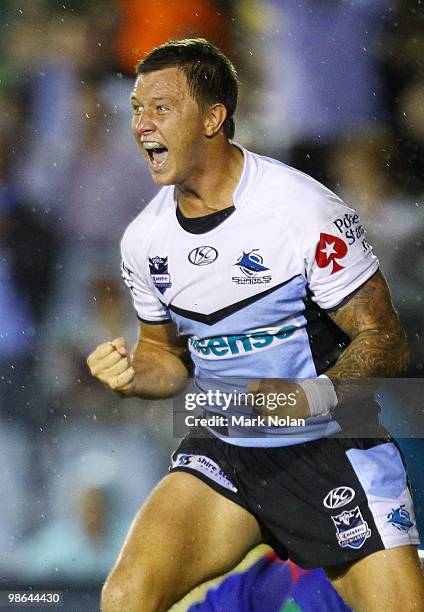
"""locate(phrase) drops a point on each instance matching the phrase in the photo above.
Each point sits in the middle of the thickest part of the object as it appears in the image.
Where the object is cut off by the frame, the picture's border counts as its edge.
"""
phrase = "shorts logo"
(336, 498)
(329, 249)
(251, 264)
(352, 530)
(159, 273)
(205, 466)
(203, 256)
(400, 518)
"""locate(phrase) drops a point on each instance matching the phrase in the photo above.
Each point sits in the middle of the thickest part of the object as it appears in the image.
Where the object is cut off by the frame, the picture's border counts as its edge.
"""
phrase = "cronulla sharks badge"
(159, 273)
(252, 266)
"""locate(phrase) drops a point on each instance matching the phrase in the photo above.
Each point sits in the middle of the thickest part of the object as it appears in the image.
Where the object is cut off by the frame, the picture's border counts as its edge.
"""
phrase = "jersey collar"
(247, 179)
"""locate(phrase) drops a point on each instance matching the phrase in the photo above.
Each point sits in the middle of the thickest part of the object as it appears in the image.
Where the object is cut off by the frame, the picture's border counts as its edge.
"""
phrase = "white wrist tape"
(320, 394)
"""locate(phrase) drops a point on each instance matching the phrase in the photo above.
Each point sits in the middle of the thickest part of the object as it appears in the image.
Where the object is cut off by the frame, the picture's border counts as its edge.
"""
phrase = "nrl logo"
(352, 530)
(159, 273)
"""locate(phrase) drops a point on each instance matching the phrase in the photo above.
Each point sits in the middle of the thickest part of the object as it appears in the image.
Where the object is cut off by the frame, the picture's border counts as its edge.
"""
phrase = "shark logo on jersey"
(251, 264)
(400, 518)
(329, 249)
(159, 273)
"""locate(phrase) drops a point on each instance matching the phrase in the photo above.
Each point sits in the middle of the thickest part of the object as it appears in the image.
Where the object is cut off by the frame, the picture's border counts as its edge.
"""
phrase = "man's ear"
(215, 117)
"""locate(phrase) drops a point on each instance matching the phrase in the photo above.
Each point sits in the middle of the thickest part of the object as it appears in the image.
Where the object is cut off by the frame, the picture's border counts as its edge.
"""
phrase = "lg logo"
(202, 256)
(339, 497)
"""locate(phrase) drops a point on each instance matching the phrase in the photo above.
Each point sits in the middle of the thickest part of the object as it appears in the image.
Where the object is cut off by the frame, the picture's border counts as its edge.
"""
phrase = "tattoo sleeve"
(378, 345)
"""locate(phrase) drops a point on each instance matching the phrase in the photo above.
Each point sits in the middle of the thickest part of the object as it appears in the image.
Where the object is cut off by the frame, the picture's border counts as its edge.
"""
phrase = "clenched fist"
(110, 363)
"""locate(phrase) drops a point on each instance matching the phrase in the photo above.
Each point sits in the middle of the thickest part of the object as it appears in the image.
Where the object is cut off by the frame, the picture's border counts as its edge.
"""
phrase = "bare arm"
(156, 369)
(378, 347)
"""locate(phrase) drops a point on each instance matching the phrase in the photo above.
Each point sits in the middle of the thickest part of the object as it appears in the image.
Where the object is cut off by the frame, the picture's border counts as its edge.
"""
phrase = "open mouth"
(157, 152)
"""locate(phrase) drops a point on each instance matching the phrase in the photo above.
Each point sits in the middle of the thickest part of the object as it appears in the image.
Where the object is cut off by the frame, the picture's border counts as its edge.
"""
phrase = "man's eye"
(137, 109)
(162, 109)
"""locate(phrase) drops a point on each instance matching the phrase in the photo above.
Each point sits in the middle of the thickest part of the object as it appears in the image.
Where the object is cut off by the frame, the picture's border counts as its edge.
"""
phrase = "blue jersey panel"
(290, 357)
(279, 306)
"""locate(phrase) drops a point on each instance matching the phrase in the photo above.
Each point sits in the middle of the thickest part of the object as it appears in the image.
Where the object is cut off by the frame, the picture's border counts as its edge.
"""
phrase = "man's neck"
(213, 189)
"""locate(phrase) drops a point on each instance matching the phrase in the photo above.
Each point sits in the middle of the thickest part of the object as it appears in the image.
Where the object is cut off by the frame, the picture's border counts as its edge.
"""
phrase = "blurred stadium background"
(334, 87)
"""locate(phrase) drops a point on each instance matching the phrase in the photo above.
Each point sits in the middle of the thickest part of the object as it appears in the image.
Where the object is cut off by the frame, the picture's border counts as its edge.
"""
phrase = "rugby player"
(258, 273)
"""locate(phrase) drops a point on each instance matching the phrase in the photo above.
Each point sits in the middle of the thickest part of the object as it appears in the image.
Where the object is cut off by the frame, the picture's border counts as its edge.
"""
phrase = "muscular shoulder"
(302, 203)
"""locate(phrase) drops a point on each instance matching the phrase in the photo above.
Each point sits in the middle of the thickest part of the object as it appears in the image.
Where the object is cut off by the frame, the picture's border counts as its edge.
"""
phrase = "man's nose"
(144, 123)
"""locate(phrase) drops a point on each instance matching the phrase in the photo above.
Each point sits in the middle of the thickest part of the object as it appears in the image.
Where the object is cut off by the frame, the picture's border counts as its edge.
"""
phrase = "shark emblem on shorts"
(400, 518)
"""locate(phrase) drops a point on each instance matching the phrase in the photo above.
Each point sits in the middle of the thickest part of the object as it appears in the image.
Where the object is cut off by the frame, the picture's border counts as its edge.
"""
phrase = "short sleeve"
(340, 260)
(147, 305)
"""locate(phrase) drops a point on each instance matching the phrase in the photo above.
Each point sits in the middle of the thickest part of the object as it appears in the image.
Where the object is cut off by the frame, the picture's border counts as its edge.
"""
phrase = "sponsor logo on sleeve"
(203, 256)
(330, 250)
(252, 266)
(159, 273)
(345, 232)
(336, 498)
(352, 530)
(350, 228)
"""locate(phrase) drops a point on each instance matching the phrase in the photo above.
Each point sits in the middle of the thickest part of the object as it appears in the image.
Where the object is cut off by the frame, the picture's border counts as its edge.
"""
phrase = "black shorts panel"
(312, 505)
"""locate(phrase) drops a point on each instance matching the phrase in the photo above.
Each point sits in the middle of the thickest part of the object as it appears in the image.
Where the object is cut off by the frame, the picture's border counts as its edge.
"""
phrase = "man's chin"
(162, 179)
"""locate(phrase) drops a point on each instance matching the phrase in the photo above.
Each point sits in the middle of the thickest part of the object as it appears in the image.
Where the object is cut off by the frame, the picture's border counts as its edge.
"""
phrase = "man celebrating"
(260, 274)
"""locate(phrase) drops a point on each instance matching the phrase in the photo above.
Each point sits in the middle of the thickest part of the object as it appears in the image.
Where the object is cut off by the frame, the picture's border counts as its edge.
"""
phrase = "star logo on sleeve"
(329, 250)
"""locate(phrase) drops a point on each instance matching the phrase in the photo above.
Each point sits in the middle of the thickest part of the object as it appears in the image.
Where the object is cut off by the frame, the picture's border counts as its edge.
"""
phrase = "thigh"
(385, 581)
(185, 534)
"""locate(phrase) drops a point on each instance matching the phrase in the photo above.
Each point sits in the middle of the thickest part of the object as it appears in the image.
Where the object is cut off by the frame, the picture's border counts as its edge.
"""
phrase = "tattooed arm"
(378, 348)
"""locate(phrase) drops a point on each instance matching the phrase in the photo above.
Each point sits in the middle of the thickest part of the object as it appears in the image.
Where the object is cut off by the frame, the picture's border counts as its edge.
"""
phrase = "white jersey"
(251, 293)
